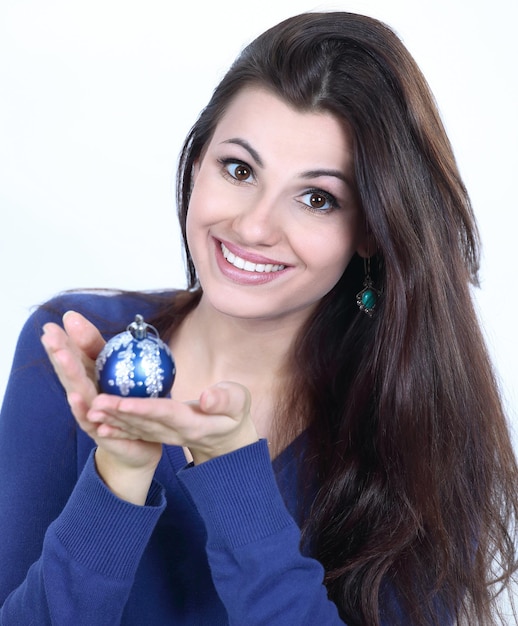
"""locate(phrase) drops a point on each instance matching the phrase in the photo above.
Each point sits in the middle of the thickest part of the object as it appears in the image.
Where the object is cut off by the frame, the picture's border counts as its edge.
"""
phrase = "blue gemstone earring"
(367, 298)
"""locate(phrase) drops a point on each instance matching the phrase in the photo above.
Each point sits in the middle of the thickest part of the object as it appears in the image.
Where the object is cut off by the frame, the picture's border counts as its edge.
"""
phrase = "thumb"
(83, 333)
(226, 398)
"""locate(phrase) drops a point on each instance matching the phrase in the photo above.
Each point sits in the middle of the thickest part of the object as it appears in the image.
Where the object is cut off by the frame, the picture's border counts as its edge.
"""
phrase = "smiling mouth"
(248, 266)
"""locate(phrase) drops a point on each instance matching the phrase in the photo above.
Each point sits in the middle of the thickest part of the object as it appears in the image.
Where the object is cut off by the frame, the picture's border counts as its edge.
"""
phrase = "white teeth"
(248, 266)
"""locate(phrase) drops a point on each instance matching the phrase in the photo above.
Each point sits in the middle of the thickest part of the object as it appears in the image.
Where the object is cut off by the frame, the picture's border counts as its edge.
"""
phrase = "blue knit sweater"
(215, 544)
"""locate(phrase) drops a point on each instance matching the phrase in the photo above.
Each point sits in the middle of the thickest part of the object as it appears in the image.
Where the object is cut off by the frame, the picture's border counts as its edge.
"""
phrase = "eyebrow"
(324, 172)
(244, 144)
(309, 174)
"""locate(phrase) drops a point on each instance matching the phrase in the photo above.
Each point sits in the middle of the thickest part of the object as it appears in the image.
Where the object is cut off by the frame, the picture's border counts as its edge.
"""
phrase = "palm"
(72, 352)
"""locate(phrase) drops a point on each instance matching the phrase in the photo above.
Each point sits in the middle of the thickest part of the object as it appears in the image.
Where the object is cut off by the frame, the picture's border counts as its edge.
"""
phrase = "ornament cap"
(138, 328)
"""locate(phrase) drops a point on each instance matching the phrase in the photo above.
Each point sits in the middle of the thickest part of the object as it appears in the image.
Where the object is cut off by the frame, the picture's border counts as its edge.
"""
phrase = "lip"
(248, 256)
(242, 276)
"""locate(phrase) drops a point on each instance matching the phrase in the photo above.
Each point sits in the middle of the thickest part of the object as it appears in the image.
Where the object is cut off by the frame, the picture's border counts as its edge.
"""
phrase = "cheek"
(331, 255)
(204, 204)
(203, 213)
(188, 227)
(337, 264)
(332, 249)
(192, 223)
(197, 210)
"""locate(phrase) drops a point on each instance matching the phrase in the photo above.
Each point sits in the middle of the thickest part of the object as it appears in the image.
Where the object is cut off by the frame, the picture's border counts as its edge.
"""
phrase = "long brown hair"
(417, 499)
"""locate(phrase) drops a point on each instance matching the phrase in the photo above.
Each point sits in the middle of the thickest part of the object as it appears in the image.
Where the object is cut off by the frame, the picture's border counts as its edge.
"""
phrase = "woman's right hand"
(126, 466)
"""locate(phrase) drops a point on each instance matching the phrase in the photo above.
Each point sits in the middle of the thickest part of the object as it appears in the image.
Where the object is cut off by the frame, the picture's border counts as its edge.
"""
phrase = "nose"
(259, 221)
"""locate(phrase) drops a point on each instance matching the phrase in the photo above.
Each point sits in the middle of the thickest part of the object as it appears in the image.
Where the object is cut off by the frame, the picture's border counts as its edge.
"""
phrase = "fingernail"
(94, 416)
(210, 399)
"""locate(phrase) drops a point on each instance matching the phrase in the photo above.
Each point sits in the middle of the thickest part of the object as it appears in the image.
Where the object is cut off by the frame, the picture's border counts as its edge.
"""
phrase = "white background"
(96, 97)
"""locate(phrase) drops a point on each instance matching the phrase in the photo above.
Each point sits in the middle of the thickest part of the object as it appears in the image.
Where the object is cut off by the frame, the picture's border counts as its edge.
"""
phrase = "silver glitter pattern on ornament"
(136, 363)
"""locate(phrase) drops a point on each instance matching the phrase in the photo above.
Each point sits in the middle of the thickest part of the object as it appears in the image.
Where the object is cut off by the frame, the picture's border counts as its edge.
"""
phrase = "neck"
(210, 347)
(229, 346)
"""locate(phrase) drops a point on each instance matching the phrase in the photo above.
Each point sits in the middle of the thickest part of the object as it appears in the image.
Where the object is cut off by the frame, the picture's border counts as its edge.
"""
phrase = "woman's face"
(273, 219)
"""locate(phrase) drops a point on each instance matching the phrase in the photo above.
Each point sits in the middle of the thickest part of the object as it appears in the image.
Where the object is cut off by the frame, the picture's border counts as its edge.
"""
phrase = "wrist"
(206, 454)
(126, 482)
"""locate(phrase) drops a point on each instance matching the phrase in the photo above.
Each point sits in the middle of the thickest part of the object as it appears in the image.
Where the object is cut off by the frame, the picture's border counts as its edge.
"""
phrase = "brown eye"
(317, 200)
(241, 172)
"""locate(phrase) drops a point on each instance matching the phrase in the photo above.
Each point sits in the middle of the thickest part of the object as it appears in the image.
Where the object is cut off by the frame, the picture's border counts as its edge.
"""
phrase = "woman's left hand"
(218, 423)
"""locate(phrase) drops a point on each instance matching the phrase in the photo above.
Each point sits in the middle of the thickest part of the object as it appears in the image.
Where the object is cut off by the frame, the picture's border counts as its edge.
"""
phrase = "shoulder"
(110, 311)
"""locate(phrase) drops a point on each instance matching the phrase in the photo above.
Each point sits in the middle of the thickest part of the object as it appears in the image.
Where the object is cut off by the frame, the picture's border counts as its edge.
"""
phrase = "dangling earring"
(367, 298)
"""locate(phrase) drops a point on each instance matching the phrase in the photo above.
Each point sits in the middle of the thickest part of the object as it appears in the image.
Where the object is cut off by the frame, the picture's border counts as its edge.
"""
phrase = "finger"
(79, 409)
(135, 416)
(67, 362)
(106, 431)
(149, 419)
(155, 408)
(59, 351)
(226, 398)
(84, 334)
(126, 425)
(113, 404)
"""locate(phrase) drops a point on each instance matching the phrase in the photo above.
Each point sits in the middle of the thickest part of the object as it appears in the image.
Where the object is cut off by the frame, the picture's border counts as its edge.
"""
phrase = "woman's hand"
(129, 431)
(72, 352)
(126, 466)
(218, 423)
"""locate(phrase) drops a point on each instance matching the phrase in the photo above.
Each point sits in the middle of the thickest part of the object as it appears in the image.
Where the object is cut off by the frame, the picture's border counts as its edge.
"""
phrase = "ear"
(366, 245)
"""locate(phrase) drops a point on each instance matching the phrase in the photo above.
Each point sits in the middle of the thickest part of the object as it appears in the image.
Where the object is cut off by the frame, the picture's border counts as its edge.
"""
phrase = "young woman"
(334, 450)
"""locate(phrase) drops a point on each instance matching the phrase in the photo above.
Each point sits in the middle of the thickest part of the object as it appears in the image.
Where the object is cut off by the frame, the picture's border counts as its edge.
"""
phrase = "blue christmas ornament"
(136, 363)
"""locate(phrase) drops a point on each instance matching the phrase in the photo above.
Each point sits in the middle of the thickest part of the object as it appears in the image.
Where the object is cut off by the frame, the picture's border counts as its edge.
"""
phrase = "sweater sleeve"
(253, 543)
(89, 558)
(68, 547)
